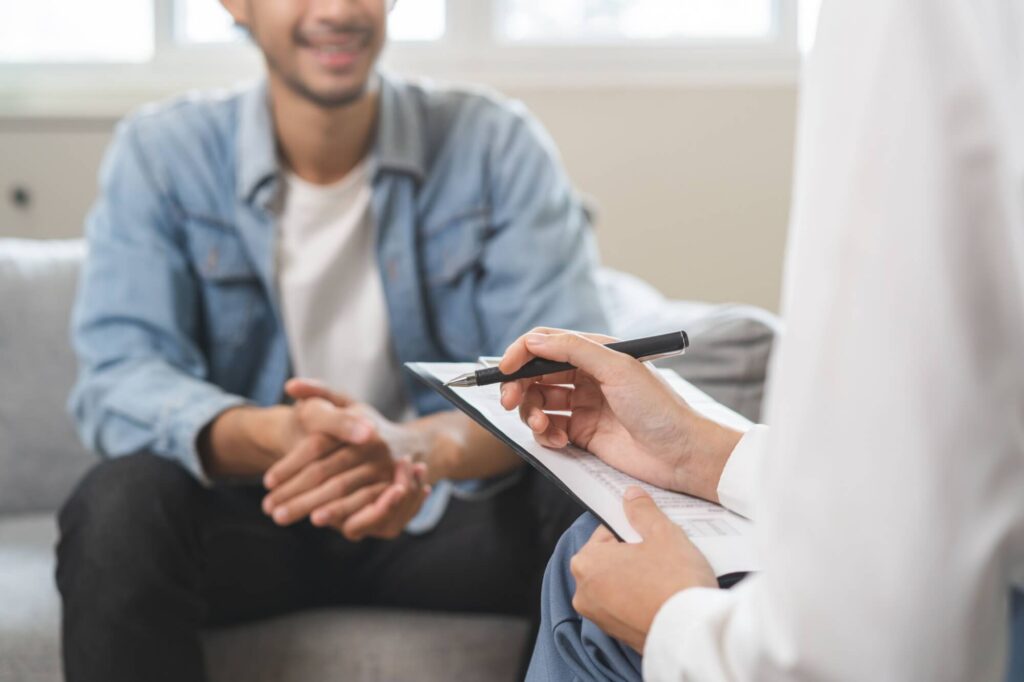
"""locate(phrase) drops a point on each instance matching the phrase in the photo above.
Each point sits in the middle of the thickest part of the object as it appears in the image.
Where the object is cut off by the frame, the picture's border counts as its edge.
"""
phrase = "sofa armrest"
(40, 456)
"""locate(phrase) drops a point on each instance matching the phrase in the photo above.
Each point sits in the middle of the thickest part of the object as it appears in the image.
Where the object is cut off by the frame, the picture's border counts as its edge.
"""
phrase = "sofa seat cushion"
(329, 644)
(29, 606)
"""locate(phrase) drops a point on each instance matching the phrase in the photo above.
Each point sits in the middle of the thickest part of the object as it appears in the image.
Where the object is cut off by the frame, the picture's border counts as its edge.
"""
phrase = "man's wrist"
(437, 449)
(244, 440)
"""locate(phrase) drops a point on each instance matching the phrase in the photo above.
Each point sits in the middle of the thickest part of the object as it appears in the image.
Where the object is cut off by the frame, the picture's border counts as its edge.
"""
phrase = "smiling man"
(330, 222)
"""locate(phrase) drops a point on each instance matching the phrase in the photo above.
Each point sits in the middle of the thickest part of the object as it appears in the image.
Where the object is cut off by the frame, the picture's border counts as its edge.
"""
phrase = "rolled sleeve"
(183, 428)
(669, 650)
(738, 484)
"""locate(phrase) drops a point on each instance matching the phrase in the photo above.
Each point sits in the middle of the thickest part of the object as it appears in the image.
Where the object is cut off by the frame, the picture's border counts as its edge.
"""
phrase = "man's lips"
(334, 57)
(336, 51)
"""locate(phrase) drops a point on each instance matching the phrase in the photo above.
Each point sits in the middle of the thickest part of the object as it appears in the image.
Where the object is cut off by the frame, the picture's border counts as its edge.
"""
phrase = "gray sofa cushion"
(730, 345)
(332, 644)
(40, 456)
(30, 610)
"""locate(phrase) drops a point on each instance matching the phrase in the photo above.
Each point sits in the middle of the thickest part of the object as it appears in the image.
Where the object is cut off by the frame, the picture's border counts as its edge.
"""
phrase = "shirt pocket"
(229, 284)
(453, 248)
(452, 252)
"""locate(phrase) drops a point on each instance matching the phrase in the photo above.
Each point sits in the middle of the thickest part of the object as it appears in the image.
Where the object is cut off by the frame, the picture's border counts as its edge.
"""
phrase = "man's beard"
(334, 100)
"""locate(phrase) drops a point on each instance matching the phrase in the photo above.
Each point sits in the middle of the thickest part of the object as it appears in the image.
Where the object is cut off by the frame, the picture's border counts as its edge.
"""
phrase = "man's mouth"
(337, 51)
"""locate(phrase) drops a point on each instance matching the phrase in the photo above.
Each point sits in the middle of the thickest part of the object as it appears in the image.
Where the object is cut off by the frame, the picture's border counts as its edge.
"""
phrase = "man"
(332, 223)
(888, 493)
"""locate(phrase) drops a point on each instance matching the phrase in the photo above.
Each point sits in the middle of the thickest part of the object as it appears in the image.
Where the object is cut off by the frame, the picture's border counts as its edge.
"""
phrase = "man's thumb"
(643, 514)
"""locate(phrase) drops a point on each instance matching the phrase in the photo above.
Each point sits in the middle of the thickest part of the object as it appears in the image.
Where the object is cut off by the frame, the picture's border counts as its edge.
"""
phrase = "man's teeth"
(336, 49)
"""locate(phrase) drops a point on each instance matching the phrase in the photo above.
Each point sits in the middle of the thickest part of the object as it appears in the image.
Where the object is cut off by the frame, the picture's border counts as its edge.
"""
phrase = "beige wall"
(691, 183)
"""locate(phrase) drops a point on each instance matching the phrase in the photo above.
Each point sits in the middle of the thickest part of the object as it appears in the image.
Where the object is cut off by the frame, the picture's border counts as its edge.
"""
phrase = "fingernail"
(319, 518)
(268, 506)
(633, 492)
(280, 514)
(504, 390)
(268, 481)
(535, 339)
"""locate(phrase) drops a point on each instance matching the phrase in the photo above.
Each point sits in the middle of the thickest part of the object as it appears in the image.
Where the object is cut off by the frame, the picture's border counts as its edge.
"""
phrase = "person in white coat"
(888, 493)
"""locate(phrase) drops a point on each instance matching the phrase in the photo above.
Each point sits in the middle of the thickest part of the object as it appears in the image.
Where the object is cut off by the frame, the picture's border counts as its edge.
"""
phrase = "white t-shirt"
(332, 299)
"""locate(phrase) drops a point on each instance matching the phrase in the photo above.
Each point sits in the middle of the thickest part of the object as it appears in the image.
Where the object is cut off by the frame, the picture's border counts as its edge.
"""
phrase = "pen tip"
(462, 381)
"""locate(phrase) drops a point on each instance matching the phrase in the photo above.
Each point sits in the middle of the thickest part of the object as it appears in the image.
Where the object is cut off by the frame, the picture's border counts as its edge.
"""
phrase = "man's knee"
(121, 510)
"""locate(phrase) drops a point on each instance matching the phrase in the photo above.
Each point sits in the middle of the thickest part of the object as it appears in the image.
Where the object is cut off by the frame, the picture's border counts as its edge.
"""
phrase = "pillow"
(40, 455)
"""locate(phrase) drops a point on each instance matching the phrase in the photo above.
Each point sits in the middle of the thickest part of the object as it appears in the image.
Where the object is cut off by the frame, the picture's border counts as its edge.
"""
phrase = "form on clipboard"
(724, 537)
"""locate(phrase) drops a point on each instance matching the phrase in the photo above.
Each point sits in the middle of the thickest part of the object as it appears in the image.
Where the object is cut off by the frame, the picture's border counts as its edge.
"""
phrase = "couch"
(41, 459)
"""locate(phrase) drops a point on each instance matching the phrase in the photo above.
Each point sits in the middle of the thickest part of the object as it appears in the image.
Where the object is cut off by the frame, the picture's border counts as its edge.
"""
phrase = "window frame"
(471, 50)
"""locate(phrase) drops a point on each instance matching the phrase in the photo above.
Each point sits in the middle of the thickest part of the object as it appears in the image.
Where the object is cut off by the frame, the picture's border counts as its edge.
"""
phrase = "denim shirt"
(479, 238)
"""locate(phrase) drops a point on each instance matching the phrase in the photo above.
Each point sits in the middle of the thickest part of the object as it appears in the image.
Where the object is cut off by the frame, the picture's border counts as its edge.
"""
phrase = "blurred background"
(674, 117)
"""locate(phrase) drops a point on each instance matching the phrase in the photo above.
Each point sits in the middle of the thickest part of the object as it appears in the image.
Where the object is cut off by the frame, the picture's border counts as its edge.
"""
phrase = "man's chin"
(330, 97)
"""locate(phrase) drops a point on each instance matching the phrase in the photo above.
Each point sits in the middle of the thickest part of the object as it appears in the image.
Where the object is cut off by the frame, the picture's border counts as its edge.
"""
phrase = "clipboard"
(452, 396)
(732, 555)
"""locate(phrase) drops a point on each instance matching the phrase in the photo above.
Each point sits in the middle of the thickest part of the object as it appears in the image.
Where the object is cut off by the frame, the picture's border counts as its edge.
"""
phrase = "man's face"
(323, 50)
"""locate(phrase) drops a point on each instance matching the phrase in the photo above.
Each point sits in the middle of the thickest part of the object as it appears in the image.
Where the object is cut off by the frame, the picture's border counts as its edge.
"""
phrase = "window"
(583, 21)
(57, 54)
(52, 31)
(206, 21)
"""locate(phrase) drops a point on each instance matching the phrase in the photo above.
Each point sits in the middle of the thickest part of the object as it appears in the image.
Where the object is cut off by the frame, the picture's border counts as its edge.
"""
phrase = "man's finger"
(309, 449)
(303, 389)
(318, 415)
(643, 514)
(335, 513)
(287, 510)
(387, 516)
(381, 517)
(378, 516)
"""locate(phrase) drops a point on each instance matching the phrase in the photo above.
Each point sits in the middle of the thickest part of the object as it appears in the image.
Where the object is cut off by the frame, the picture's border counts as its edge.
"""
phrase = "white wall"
(691, 183)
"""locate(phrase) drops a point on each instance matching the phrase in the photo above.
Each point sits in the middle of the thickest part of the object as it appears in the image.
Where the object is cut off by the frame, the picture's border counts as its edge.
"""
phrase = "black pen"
(650, 348)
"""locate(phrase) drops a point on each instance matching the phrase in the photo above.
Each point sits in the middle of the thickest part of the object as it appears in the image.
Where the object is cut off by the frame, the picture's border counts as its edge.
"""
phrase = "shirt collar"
(399, 145)
(256, 146)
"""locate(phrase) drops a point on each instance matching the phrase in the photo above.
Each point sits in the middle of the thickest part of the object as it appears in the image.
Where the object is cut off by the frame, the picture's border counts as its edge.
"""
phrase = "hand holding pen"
(616, 407)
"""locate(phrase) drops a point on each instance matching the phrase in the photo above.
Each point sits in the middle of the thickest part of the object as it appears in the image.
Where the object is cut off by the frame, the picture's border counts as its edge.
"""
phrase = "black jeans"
(148, 557)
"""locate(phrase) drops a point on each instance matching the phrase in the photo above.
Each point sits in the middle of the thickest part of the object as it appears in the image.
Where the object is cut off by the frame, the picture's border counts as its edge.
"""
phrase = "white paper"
(725, 538)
